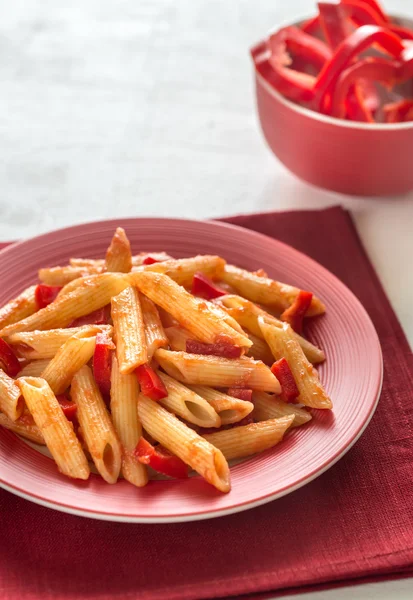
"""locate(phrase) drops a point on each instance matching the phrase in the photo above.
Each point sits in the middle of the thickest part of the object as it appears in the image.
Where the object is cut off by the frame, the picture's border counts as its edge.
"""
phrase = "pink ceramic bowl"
(343, 156)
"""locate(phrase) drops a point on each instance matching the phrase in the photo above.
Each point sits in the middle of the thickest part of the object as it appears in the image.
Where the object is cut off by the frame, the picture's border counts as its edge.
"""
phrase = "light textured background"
(135, 107)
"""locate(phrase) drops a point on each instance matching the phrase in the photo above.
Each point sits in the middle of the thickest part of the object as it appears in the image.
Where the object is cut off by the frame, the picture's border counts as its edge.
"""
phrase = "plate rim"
(248, 504)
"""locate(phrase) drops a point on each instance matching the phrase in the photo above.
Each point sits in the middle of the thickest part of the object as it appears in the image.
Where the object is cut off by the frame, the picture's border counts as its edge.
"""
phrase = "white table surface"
(136, 108)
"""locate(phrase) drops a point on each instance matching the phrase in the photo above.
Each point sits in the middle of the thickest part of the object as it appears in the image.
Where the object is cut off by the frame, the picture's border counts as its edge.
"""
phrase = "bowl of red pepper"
(335, 98)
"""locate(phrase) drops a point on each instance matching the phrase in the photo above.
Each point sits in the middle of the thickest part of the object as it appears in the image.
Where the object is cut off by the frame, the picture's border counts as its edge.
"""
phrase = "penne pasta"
(60, 276)
(266, 291)
(177, 337)
(124, 406)
(11, 401)
(250, 439)
(118, 255)
(283, 344)
(191, 312)
(57, 431)
(246, 313)
(24, 426)
(260, 350)
(34, 345)
(270, 407)
(154, 332)
(215, 371)
(19, 308)
(179, 439)
(75, 352)
(91, 295)
(34, 368)
(187, 404)
(182, 270)
(129, 330)
(97, 428)
(137, 260)
(229, 409)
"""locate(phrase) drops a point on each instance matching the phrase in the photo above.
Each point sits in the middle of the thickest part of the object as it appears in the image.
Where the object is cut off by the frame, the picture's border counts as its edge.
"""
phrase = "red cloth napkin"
(354, 521)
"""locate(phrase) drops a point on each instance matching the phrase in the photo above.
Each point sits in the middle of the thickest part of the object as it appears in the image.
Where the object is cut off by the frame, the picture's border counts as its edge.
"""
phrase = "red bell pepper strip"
(361, 39)
(219, 349)
(8, 360)
(311, 26)
(334, 23)
(45, 294)
(377, 69)
(151, 384)
(282, 371)
(356, 106)
(205, 287)
(161, 460)
(149, 260)
(362, 13)
(403, 32)
(294, 314)
(240, 393)
(97, 317)
(297, 42)
(374, 5)
(397, 112)
(68, 407)
(406, 68)
(102, 362)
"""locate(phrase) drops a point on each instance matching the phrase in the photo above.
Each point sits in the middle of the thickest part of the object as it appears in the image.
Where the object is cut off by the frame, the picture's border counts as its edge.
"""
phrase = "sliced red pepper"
(205, 287)
(334, 23)
(294, 314)
(97, 317)
(311, 26)
(69, 408)
(374, 5)
(403, 32)
(361, 39)
(300, 44)
(160, 460)
(377, 69)
(102, 363)
(219, 349)
(150, 383)
(362, 14)
(240, 393)
(282, 371)
(397, 112)
(356, 106)
(8, 360)
(45, 294)
(149, 260)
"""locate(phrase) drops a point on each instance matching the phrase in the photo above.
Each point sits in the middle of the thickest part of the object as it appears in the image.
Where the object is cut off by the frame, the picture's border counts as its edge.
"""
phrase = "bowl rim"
(326, 118)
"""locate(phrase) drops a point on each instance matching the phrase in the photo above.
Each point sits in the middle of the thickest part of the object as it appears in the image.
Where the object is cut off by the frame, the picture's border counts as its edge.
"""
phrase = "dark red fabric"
(352, 523)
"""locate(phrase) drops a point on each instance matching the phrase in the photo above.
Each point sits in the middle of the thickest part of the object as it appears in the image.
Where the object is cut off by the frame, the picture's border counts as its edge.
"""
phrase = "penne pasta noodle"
(250, 439)
(260, 350)
(182, 270)
(97, 428)
(57, 431)
(270, 407)
(191, 312)
(154, 332)
(60, 276)
(215, 371)
(34, 345)
(24, 426)
(119, 255)
(75, 352)
(246, 313)
(224, 316)
(11, 401)
(129, 330)
(187, 404)
(34, 368)
(283, 344)
(167, 320)
(229, 409)
(266, 291)
(89, 296)
(124, 393)
(19, 308)
(137, 260)
(179, 439)
(177, 337)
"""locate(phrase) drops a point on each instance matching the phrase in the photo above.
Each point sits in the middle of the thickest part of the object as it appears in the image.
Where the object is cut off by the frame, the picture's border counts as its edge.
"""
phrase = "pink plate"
(352, 375)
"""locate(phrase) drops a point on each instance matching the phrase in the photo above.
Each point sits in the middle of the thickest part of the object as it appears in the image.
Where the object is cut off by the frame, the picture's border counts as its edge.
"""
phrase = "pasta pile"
(144, 363)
